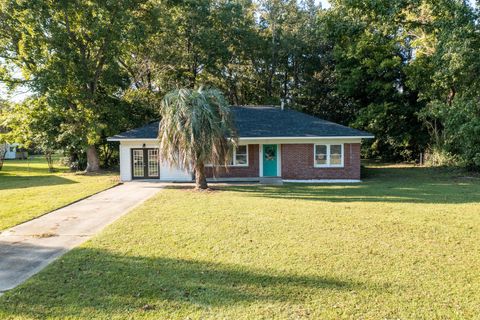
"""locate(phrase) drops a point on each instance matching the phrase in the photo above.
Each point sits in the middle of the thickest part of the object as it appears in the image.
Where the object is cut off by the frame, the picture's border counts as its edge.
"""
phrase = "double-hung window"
(328, 155)
(239, 159)
(240, 156)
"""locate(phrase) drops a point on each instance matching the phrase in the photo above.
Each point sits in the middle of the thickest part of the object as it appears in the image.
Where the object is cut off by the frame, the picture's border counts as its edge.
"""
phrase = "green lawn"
(28, 190)
(405, 244)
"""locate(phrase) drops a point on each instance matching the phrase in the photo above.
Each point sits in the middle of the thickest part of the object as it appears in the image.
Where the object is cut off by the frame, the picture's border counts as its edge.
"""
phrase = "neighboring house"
(285, 144)
(11, 151)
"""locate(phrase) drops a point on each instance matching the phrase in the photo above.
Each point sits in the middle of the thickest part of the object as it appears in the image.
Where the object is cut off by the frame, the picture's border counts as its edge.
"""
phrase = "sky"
(325, 3)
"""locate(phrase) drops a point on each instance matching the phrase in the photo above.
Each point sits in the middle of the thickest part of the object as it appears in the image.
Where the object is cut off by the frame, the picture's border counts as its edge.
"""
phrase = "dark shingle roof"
(149, 131)
(264, 122)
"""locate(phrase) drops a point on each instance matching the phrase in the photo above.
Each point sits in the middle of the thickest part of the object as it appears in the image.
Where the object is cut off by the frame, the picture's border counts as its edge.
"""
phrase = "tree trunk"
(200, 178)
(3, 153)
(451, 96)
(93, 163)
(73, 161)
(48, 157)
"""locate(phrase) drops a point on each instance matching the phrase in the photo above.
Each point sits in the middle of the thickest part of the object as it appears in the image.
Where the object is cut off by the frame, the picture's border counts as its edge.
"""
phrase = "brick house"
(273, 143)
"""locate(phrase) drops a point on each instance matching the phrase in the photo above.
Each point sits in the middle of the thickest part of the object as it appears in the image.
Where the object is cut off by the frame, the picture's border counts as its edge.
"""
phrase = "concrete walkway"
(29, 247)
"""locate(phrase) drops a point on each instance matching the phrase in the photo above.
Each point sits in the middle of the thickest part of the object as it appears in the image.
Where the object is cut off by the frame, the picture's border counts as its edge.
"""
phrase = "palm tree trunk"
(200, 178)
(93, 163)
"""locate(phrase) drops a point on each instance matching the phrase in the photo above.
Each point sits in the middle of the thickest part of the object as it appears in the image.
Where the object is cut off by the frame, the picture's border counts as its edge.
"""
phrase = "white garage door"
(169, 173)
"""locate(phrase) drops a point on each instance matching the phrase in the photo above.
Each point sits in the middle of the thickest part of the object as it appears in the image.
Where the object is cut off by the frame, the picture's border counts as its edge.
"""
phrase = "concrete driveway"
(29, 247)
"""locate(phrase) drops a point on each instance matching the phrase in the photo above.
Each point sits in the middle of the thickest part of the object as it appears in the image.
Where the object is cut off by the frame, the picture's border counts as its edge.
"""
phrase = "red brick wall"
(252, 171)
(297, 163)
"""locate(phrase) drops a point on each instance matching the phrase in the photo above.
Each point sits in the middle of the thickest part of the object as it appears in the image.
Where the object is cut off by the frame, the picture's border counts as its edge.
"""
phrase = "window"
(240, 156)
(12, 149)
(336, 155)
(153, 163)
(321, 155)
(239, 159)
(328, 155)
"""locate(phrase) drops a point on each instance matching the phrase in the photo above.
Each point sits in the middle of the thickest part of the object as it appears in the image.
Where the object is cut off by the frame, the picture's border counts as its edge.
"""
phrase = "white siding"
(125, 163)
(167, 173)
(11, 154)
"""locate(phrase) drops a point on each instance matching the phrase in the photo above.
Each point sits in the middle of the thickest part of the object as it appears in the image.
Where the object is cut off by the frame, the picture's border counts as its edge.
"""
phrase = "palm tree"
(196, 129)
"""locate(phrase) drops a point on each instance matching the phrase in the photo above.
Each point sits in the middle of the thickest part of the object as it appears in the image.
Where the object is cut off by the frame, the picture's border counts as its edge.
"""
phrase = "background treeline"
(404, 70)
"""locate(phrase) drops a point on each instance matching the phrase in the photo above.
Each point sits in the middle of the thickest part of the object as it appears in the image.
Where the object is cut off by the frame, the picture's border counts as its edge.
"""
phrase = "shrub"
(438, 157)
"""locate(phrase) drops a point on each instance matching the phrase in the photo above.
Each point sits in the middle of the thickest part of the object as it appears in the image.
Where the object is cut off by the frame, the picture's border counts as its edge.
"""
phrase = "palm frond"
(196, 128)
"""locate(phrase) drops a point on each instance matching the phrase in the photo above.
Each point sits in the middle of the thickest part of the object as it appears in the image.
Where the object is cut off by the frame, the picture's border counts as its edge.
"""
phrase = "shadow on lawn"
(15, 169)
(18, 182)
(369, 192)
(381, 184)
(91, 278)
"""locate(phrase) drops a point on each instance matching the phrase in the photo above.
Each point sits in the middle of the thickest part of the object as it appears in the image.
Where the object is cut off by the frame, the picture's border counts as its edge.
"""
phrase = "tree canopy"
(405, 70)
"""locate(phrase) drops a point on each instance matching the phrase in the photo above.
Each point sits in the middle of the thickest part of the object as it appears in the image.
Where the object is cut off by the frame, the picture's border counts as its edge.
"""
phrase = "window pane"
(153, 163)
(242, 150)
(241, 155)
(336, 154)
(320, 154)
(241, 159)
(138, 163)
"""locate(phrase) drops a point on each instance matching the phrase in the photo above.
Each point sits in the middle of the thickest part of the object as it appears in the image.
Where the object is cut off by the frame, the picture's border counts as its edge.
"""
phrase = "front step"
(271, 180)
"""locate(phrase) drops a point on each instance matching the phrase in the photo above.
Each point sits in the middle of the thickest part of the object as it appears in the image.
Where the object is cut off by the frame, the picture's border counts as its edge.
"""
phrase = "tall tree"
(371, 56)
(403, 69)
(67, 51)
(451, 59)
(207, 41)
(3, 133)
(35, 125)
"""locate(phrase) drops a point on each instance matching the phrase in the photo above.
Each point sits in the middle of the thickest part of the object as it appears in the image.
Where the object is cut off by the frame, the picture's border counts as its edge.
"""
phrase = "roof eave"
(118, 139)
(310, 137)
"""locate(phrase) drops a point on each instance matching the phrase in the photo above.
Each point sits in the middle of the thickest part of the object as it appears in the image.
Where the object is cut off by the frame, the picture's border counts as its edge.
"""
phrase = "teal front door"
(270, 157)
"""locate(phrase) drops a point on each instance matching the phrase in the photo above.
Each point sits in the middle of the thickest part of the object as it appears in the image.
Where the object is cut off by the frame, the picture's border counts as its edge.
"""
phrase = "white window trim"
(328, 165)
(234, 159)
